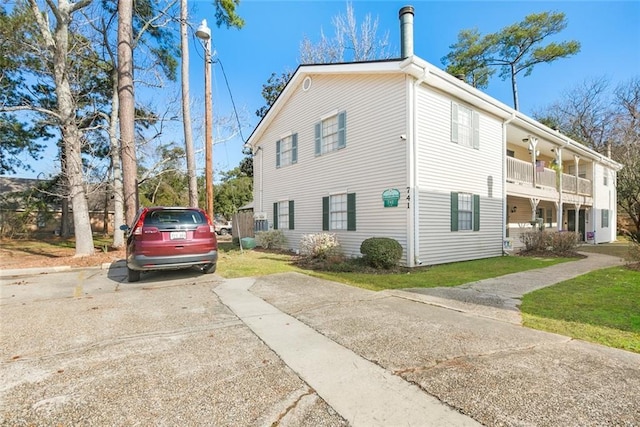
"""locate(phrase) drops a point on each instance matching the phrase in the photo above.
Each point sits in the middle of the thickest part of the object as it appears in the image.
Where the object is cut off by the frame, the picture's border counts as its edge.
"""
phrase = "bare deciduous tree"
(352, 42)
(608, 122)
(56, 37)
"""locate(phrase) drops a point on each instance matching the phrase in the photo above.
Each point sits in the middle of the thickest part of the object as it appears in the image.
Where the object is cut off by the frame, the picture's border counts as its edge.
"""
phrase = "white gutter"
(413, 214)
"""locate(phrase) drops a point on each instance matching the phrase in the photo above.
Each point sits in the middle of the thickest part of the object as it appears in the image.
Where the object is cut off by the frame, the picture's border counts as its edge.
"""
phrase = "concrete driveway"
(84, 347)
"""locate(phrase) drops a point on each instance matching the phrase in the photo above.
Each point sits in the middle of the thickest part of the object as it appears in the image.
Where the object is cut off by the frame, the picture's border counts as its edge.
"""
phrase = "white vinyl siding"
(376, 116)
(444, 168)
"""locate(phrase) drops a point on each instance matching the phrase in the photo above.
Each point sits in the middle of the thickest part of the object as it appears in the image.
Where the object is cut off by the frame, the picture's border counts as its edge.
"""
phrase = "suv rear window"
(173, 217)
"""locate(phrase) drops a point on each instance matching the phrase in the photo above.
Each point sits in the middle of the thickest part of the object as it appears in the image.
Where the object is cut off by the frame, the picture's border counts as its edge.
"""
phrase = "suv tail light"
(137, 229)
(212, 227)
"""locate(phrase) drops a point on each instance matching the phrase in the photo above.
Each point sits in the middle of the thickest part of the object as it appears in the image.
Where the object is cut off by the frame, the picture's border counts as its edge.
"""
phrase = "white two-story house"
(401, 149)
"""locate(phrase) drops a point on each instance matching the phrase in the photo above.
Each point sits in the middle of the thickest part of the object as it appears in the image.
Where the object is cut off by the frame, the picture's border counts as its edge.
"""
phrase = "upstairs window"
(330, 133)
(465, 126)
(287, 150)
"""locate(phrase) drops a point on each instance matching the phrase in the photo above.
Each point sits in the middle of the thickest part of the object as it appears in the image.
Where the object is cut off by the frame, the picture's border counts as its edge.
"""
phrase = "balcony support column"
(559, 211)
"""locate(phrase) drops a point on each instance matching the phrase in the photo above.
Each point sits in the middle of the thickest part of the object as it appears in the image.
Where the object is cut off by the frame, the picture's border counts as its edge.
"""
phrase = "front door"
(581, 223)
(571, 220)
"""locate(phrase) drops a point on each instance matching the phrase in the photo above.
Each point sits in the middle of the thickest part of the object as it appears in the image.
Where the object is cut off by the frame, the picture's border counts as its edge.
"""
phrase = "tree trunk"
(71, 135)
(127, 108)
(514, 87)
(186, 112)
(116, 168)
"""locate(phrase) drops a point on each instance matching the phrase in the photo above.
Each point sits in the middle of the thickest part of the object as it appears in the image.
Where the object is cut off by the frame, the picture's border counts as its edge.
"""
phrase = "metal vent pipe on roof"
(406, 31)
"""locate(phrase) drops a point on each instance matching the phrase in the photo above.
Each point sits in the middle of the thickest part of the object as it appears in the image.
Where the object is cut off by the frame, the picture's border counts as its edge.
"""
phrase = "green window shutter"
(476, 130)
(351, 212)
(325, 213)
(275, 216)
(277, 154)
(454, 211)
(342, 130)
(294, 148)
(291, 215)
(454, 122)
(476, 212)
(318, 139)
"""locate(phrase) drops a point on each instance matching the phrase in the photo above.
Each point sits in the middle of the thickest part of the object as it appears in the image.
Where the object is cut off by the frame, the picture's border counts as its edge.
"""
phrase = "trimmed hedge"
(381, 252)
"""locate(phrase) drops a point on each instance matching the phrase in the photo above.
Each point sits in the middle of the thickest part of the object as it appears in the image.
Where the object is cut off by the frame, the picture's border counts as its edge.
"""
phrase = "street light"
(204, 33)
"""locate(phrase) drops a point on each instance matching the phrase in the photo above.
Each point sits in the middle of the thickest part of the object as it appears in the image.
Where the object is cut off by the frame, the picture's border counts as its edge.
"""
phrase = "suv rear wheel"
(133, 275)
(209, 268)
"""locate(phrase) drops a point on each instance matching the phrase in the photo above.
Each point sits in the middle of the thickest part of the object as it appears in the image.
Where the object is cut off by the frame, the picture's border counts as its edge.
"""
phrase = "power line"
(235, 111)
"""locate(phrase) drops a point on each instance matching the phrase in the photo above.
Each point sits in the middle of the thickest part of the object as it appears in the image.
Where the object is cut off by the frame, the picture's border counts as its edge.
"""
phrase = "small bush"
(320, 245)
(272, 239)
(555, 242)
(563, 242)
(381, 252)
(535, 240)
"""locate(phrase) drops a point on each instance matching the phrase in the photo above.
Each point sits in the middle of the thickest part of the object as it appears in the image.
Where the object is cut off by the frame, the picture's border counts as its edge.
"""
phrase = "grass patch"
(619, 248)
(233, 263)
(440, 275)
(602, 306)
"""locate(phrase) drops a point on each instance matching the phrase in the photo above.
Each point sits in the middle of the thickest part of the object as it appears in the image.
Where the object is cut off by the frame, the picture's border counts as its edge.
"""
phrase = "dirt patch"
(32, 254)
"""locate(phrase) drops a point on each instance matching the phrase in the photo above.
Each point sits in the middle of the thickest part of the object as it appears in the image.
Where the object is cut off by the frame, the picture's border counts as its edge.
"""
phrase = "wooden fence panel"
(243, 225)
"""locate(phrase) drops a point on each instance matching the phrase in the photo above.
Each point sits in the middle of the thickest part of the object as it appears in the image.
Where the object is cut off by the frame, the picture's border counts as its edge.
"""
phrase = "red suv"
(170, 238)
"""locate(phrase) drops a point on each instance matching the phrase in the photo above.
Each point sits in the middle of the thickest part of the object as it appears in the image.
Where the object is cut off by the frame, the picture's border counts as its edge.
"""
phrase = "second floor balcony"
(527, 174)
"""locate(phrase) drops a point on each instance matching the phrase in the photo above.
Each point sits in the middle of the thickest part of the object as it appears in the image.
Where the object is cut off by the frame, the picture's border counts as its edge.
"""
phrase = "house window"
(283, 215)
(287, 150)
(605, 180)
(330, 133)
(465, 126)
(605, 218)
(511, 153)
(339, 212)
(465, 212)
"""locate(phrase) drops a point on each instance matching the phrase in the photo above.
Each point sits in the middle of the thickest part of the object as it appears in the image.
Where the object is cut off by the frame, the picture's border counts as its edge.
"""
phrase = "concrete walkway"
(360, 391)
(499, 298)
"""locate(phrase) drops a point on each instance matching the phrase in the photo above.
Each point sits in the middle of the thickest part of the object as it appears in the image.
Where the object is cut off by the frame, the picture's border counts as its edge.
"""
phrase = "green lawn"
(602, 306)
(441, 275)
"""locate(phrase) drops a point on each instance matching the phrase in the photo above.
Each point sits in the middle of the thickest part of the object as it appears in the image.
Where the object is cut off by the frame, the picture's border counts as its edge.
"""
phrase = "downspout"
(413, 245)
(505, 205)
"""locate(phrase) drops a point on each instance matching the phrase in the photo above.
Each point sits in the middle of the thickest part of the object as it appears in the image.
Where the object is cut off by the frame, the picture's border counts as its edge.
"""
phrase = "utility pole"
(204, 34)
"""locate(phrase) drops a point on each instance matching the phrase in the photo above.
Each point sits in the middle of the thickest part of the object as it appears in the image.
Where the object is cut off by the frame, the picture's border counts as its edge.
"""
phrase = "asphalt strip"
(361, 392)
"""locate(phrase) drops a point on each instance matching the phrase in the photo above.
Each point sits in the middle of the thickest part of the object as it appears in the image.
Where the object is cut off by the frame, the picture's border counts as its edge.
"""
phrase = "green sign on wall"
(390, 197)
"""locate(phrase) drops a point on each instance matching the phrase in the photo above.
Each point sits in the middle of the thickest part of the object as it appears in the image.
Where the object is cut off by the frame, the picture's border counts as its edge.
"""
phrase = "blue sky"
(609, 32)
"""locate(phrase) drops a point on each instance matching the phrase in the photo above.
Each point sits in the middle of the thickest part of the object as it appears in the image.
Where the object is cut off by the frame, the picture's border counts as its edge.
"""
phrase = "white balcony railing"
(521, 172)
(574, 185)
